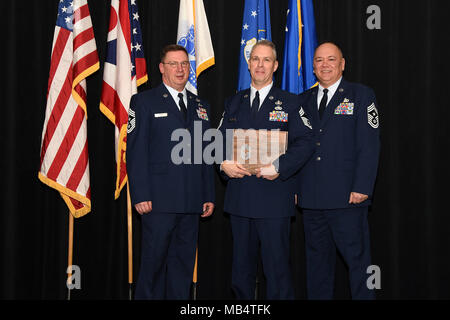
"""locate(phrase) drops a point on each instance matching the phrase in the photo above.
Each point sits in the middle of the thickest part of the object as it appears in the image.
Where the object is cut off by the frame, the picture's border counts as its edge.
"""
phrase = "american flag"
(125, 70)
(64, 149)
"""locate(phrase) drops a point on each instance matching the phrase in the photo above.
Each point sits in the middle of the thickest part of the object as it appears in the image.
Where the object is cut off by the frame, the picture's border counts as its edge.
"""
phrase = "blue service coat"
(257, 197)
(347, 148)
(153, 176)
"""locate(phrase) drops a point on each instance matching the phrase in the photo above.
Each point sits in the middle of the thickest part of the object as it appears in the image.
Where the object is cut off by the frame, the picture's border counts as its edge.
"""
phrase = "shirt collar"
(174, 93)
(263, 92)
(331, 89)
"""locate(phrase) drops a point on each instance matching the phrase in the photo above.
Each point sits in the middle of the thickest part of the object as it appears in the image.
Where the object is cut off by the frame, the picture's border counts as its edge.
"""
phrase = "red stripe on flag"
(79, 169)
(82, 38)
(112, 101)
(58, 50)
(141, 68)
(57, 111)
(81, 13)
(124, 17)
(84, 63)
(66, 144)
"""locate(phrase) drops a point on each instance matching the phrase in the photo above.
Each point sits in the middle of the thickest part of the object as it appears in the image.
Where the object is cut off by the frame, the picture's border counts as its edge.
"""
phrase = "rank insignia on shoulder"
(131, 120)
(305, 120)
(202, 114)
(372, 116)
(279, 116)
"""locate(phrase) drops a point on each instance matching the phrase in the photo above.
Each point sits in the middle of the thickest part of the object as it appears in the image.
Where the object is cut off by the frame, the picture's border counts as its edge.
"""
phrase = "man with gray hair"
(261, 205)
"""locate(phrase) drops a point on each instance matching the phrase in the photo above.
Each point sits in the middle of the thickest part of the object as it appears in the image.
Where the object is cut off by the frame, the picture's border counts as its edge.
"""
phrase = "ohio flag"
(124, 71)
(193, 34)
(255, 27)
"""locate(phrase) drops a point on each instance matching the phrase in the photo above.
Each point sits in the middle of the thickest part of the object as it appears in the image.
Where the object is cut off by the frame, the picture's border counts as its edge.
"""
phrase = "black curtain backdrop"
(405, 62)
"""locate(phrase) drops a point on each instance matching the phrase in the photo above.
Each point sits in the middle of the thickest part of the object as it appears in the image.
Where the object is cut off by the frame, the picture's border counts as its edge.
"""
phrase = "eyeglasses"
(175, 64)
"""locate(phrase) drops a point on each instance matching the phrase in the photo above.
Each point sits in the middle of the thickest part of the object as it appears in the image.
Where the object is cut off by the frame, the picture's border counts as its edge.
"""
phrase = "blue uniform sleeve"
(137, 153)
(300, 141)
(367, 145)
(223, 125)
(208, 169)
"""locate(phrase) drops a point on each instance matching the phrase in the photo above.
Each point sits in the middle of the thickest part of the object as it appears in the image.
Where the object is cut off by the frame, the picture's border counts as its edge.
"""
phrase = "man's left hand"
(208, 208)
(267, 172)
(356, 197)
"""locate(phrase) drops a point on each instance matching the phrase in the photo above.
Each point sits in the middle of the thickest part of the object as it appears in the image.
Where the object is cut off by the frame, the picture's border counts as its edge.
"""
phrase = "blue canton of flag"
(136, 41)
(65, 15)
(255, 27)
(299, 47)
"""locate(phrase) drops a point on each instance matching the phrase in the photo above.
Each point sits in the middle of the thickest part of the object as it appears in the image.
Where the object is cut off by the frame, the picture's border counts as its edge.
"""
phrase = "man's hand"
(356, 197)
(143, 207)
(234, 170)
(267, 172)
(208, 208)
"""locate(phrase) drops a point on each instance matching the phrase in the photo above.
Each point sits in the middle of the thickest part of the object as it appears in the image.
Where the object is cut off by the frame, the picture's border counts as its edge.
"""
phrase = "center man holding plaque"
(260, 190)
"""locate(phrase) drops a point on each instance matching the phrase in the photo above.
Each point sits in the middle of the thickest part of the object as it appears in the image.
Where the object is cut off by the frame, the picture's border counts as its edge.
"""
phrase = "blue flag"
(255, 27)
(299, 47)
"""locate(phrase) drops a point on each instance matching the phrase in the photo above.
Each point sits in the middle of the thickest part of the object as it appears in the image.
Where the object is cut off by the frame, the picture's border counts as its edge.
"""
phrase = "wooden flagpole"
(70, 254)
(194, 276)
(130, 242)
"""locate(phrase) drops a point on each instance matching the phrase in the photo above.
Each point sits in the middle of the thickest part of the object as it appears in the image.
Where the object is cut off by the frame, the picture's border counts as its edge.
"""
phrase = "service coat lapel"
(245, 107)
(313, 106)
(170, 103)
(192, 106)
(335, 100)
(267, 105)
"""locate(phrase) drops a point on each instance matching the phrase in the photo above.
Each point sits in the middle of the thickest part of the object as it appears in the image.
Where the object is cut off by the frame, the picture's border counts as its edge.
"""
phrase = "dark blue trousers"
(167, 256)
(273, 236)
(348, 231)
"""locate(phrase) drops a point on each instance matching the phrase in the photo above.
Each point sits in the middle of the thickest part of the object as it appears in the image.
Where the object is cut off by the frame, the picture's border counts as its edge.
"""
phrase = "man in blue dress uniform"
(168, 194)
(336, 185)
(261, 205)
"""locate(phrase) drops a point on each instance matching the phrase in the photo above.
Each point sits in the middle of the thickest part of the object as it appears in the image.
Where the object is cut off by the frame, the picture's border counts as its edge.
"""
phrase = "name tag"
(160, 115)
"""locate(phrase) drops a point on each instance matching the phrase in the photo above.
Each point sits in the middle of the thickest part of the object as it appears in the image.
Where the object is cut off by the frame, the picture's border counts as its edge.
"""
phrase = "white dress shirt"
(263, 92)
(174, 93)
(331, 90)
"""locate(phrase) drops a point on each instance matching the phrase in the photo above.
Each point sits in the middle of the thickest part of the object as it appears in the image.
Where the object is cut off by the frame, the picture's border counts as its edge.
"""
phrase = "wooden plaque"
(257, 148)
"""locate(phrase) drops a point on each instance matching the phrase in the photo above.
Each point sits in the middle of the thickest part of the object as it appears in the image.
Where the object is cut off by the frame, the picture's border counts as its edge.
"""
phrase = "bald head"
(329, 64)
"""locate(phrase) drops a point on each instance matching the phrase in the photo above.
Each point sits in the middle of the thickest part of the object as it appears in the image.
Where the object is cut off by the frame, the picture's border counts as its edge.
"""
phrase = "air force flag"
(255, 27)
(193, 34)
(299, 47)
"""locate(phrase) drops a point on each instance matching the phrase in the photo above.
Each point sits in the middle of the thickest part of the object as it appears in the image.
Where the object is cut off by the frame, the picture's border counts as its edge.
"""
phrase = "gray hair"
(267, 43)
